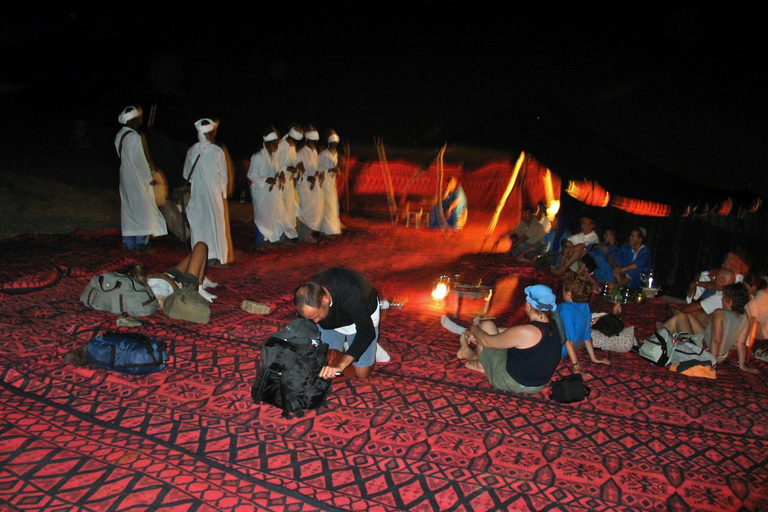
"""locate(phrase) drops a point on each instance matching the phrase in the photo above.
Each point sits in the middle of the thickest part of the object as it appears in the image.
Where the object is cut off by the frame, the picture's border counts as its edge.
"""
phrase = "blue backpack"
(130, 353)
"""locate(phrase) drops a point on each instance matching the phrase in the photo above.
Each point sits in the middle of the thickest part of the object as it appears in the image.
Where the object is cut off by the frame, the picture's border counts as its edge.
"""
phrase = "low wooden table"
(472, 292)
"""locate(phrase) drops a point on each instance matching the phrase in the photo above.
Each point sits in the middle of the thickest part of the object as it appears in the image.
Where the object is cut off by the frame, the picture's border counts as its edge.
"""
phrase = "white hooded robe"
(331, 225)
(139, 214)
(206, 211)
(286, 157)
(311, 198)
(268, 211)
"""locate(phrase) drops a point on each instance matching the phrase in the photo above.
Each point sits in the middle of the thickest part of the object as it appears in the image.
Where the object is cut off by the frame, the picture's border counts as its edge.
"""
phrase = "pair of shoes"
(145, 249)
(761, 355)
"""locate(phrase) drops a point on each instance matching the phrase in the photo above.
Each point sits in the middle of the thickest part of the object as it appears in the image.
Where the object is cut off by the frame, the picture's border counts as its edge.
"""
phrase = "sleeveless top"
(535, 365)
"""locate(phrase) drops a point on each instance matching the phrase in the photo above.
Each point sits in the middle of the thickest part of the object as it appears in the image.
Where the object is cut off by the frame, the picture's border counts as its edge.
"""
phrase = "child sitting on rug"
(189, 271)
(577, 320)
(521, 358)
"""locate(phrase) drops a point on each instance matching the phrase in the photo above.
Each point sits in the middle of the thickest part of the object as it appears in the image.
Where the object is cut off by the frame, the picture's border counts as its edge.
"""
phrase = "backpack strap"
(664, 357)
(120, 150)
(192, 171)
(286, 412)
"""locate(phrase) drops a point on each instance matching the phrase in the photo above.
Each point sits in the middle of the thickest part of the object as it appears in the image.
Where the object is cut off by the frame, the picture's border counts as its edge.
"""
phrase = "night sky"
(682, 91)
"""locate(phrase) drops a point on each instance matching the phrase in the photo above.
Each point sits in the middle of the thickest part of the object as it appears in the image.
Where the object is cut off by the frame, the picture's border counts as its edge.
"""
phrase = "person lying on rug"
(521, 358)
(577, 321)
(189, 271)
(610, 333)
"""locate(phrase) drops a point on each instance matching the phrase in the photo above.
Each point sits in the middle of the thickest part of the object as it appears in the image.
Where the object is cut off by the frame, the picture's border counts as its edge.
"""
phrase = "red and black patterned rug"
(422, 433)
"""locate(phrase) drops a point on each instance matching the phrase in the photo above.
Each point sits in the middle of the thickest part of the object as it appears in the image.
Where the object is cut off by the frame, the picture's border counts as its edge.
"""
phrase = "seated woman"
(730, 326)
(521, 358)
(577, 321)
(633, 260)
(190, 271)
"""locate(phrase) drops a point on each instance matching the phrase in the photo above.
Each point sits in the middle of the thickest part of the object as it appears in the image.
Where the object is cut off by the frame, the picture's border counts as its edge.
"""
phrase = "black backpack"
(291, 361)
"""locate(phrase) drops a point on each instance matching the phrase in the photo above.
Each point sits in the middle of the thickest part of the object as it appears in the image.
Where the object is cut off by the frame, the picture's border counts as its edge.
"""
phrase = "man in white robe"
(266, 192)
(310, 188)
(328, 162)
(206, 169)
(139, 216)
(289, 168)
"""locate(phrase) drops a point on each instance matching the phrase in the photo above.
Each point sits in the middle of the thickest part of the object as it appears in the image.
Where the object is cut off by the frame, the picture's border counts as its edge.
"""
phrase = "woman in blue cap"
(521, 358)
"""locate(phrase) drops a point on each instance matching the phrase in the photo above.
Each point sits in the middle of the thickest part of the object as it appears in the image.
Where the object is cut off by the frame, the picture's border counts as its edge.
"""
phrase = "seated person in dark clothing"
(633, 260)
(521, 358)
(602, 253)
(345, 308)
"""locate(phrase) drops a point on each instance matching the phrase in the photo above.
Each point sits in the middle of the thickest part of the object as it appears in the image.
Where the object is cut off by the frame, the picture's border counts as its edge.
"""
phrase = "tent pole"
(440, 171)
(387, 179)
(346, 176)
(504, 198)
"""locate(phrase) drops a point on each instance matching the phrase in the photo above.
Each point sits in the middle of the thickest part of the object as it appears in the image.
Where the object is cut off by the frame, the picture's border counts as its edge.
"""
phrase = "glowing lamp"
(553, 208)
(441, 289)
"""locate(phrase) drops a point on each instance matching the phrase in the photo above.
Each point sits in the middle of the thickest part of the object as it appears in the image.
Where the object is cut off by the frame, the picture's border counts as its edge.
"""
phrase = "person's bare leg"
(679, 323)
(183, 264)
(696, 325)
(363, 372)
(741, 349)
(465, 352)
(475, 364)
(571, 256)
(198, 261)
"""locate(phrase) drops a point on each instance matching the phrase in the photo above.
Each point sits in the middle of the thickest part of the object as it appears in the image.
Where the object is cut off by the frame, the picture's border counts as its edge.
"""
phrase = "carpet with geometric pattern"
(422, 433)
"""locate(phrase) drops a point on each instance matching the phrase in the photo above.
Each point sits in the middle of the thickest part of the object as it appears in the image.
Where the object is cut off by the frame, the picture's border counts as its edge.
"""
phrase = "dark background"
(681, 91)
(666, 105)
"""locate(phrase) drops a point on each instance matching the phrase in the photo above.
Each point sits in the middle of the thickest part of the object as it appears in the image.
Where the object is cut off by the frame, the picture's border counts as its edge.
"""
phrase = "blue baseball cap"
(541, 297)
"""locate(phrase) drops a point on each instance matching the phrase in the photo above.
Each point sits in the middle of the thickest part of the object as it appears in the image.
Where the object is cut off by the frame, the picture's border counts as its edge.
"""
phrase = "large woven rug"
(422, 433)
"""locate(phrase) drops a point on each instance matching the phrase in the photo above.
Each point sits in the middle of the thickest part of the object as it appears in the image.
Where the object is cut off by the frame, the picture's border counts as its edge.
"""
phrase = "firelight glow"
(440, 292)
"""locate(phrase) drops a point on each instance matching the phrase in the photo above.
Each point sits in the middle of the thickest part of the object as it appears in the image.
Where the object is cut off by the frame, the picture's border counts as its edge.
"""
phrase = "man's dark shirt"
(354, 300)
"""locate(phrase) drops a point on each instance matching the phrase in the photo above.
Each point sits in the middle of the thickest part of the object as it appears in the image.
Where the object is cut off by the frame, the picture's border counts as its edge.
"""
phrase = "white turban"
(128, 113)
(202, 129)
(205, 128)
(313, 135)
(295, 134)
(270, 137)
(333, 138)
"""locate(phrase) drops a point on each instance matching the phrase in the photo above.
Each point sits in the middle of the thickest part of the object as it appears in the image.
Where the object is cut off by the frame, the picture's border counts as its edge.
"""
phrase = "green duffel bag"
(119, 293)
(187, 304)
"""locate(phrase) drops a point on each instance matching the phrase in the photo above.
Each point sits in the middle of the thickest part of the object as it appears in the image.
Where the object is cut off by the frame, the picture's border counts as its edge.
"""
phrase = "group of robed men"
(290, 188)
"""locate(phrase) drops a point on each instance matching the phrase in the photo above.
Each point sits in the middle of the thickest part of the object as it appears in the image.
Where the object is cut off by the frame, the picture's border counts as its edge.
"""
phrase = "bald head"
(724, 278)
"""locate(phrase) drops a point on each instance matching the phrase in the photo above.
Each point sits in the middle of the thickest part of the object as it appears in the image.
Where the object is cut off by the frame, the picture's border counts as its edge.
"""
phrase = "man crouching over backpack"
(345, 308)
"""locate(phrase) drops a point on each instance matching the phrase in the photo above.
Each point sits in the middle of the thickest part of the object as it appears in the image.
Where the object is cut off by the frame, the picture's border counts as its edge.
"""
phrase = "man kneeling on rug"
(345, 307)
(521, 358)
